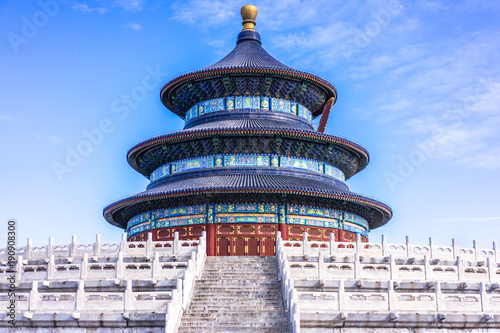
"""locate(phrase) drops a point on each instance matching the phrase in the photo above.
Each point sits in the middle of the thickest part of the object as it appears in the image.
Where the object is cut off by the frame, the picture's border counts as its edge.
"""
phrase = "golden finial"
(248, 14)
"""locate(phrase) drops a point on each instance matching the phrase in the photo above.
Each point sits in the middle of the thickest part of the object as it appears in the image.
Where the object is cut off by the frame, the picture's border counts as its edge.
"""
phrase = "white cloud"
(84, 8)
(39, 137)
(129, 5)
(6, 118)
(205, 13)
(134, 26)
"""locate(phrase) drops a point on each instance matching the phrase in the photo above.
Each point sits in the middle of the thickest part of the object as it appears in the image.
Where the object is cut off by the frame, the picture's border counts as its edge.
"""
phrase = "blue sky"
(418, 85)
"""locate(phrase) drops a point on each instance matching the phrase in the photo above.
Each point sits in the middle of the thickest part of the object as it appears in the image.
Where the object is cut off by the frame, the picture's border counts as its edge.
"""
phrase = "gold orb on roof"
(248, 14)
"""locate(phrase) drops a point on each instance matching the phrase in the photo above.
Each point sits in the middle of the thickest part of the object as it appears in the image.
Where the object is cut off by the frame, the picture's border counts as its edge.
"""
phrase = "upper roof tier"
(248, 70)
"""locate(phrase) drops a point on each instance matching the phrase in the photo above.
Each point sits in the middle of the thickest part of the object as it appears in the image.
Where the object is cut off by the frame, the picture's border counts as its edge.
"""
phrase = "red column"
(284, 234)
(211, 239)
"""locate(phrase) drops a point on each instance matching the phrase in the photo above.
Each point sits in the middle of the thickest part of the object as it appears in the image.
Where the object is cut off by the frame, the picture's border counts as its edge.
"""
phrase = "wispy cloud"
(6, 118)
(129, 5)
(84, 8)
(39, 137)
(134, 26)
(417, 82)
(203, 12)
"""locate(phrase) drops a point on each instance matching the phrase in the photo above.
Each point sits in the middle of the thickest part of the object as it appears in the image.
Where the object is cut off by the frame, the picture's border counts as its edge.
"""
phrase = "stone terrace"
(329, 285)
(102, 285)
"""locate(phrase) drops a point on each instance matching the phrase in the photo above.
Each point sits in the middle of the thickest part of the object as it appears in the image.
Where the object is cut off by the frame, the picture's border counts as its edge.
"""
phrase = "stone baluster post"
(341, 295)
(19, 268)
(427, 267)
(491, 270)
(97, 245)
(29, 249)
(496, 252)
(305, 243)
(439, 297)
(129, 296)
(460, 269)
(409, 249)
(391, 295)
(33, 296)
(123, 243)
(80, 296)
(359, 248)
(51, 268)
(156, 265)
(120, 266)
(84, 267)
(385, 248)
(149, 244)
(333, 244)
(476, 250)
(392, 267)
(176, 243)
(432, 253)
(357, 266)
(455, 248)
(50, 247)
(321, 265)
(485, 306)
(72, 246)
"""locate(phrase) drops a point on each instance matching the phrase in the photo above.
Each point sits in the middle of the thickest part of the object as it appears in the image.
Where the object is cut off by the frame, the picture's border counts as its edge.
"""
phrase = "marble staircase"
(237, 294)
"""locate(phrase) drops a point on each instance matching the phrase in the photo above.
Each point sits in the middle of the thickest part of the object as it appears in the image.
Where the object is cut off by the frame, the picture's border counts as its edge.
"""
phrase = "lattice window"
(267, 229)
(239, 246)
(269, 246)
(182, 232)
(162, 234)
(246, 229)
(314, 232)
(226, 229)
(197, 230)
(296, 230)
(253, 246)
(223, 246)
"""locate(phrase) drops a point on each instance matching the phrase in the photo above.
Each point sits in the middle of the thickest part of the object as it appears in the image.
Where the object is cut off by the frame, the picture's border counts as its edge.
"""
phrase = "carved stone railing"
(290, 297)
(71, 279)
(380, 284)
(98, 249)
(383, 249)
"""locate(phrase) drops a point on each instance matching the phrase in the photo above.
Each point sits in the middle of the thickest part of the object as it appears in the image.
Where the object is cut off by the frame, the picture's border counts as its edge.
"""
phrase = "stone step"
(234, 324)
(237, 294)
(233, 299)
(238, 284)
(272, 316)
(235, 276)
(242, 280)
(215, 308)
(277, 329)
(249, 269)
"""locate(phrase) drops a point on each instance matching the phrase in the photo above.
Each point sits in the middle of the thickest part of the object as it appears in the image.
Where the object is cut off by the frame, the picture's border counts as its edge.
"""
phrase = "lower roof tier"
(270, 188)
(148, 155)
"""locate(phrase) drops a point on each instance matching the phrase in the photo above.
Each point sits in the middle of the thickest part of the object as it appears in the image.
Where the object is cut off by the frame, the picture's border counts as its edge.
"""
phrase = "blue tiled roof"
(251, 183)
(247, 58)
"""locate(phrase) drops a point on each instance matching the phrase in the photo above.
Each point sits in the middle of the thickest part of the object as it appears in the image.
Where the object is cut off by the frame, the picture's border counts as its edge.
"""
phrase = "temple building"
(248, 162)
(248, 178)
